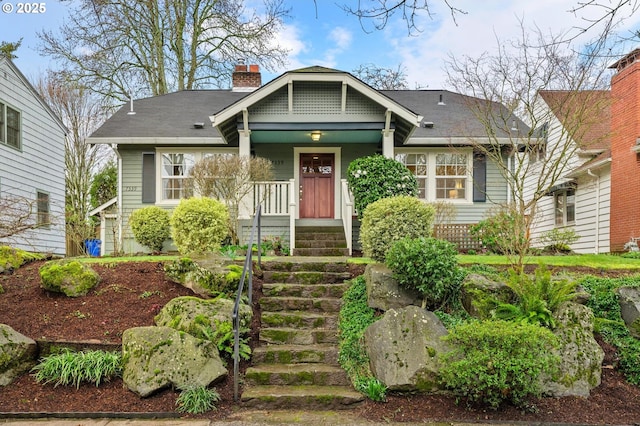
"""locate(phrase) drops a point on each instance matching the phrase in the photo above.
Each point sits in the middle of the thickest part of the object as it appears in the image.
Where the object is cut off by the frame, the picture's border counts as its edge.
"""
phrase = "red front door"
(316, 186)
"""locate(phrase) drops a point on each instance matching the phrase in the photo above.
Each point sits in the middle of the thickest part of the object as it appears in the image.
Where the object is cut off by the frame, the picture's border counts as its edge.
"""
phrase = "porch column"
(244, 144)
(387, 143)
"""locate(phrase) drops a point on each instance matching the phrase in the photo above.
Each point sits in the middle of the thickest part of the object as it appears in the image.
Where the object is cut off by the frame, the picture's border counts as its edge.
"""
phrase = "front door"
(316, 186)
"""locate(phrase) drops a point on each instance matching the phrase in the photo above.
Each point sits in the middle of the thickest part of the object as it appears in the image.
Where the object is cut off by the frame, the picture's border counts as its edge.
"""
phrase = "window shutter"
(479, 177)
(148, 177)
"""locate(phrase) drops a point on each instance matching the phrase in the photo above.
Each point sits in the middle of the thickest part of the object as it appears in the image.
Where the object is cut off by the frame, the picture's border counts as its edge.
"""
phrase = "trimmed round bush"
(428, 265)
(150, 226)
(69, 277)
(389, 220)
(199, 224)
(375, 177)
(498, 361)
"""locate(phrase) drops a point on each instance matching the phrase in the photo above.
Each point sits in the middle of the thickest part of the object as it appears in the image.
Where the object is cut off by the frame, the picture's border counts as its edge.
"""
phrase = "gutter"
(597, 230)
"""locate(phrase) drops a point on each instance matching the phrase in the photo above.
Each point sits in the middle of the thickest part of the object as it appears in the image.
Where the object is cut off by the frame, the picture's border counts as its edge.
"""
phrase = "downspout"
(114, 147)
(597, 230)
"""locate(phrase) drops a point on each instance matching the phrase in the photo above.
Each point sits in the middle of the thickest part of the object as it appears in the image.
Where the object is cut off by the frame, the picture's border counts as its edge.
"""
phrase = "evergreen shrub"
(150, 226)
(389, 220)
(199, 225)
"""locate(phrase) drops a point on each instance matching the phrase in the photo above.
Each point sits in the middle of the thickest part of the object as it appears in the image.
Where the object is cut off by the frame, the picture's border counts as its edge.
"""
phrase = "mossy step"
(320, 252)
(305, 277)
(320, 236)
(301, 397)
(296, 374)
(298, 266)
(320, 304)
(299, 319)
(294, 354)
(321, 243)
(315, 229)
(293, 336)
(304, 290)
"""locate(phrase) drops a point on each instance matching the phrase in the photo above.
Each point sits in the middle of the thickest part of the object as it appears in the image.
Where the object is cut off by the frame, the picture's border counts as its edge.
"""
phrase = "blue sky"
(329, 37)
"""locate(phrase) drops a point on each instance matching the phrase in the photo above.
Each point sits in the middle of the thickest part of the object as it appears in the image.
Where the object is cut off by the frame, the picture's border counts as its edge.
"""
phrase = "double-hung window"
(10, 124)
(176, 168)
(442, 176)
(42, 204)
(565, 207)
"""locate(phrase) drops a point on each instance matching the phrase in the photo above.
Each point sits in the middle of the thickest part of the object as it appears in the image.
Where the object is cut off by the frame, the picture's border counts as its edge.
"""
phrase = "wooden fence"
(459, 235)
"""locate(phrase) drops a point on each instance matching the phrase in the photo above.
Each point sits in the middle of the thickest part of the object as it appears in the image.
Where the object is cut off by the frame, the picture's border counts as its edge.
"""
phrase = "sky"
(321, 33)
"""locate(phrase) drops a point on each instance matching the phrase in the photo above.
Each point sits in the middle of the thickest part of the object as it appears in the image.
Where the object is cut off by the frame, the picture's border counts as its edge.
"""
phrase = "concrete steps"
(320, 241)
(296, 362)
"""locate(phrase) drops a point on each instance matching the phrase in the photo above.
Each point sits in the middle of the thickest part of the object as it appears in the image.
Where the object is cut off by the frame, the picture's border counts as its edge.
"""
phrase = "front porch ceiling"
(326, 137)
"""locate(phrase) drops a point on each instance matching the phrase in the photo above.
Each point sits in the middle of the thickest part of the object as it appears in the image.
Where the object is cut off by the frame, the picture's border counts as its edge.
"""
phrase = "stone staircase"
(296, 362)
(320, 241)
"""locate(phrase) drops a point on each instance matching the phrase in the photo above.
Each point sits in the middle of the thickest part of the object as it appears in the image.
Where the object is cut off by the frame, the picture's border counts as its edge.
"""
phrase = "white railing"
(274, 196)
(347, 214)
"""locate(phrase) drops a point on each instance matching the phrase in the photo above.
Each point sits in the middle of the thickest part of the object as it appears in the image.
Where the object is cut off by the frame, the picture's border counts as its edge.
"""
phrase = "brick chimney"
(246, 78)
(625, 151)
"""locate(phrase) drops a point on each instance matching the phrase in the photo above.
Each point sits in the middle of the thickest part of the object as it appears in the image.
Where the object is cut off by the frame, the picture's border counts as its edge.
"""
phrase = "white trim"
(198, 154)
(431, 171)
(102, 207)
(337, 173)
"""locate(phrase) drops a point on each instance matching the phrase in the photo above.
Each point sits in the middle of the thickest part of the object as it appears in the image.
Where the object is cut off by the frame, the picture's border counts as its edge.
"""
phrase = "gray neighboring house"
(311, 123)
(32, 166)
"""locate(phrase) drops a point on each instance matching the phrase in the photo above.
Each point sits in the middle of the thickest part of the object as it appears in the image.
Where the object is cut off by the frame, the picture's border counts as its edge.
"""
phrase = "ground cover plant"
(73, 368)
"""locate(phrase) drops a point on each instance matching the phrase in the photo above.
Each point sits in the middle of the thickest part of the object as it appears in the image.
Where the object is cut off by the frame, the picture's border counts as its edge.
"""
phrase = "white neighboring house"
(580, 198)
(32, 166)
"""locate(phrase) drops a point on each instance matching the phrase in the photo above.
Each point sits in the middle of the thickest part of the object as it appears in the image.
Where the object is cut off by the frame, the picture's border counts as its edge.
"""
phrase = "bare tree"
(379, 12)
(130, 48)
(82, 114)
(382, 78)
(230, 178)
(17, 216)
(509, 85)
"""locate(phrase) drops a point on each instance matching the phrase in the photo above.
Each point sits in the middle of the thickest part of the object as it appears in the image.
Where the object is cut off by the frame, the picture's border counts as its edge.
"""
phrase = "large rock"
(17, 354)
(158, 357)
(403, 347)
(191, 314)
(581, 356)
(383, 291)
(72, 278)
(477, 288)
(629, 300)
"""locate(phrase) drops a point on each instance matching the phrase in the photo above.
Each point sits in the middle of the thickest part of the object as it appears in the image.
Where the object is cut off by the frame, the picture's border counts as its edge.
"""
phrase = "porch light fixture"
(315, 135)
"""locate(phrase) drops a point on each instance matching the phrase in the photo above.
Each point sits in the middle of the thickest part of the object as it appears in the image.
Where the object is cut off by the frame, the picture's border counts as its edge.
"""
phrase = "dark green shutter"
(479, 177)
(148, 177)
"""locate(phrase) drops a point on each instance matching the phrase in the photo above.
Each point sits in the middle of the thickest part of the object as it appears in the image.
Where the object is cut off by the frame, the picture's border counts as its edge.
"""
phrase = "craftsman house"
(32, 178)
(311, 123)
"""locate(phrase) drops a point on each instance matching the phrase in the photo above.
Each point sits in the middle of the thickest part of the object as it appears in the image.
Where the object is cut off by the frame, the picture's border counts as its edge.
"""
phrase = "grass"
(596, 261)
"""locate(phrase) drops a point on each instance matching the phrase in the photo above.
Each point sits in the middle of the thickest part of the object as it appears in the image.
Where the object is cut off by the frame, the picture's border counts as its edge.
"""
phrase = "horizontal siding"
(38, 166)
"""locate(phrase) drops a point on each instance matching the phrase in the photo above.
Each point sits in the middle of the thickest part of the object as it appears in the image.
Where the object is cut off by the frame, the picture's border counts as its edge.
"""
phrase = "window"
(175, 171)
(440, 175)
(565, 207)
(172, 172)
(43, 209)
(9, 126)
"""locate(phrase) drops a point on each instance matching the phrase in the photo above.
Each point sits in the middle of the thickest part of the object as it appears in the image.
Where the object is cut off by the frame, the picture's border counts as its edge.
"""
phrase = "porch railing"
(278, 198)
(347, 214)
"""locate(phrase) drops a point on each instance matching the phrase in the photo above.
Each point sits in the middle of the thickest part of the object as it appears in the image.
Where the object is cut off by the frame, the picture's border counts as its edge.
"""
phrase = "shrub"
(67, 368)
(198, 225)
(428, 265)
(559, 240)
(502, 232)
(497, 361)
(354, 318)
(375, 177)
(390, 219)
(197, 400)
(150, 226)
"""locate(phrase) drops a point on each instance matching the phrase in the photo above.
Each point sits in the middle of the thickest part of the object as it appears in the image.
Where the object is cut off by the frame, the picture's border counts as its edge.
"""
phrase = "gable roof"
(586, 113)
(4, 60)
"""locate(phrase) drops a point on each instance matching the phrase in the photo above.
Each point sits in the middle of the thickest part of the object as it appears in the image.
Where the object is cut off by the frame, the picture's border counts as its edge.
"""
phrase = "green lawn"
(598, 261)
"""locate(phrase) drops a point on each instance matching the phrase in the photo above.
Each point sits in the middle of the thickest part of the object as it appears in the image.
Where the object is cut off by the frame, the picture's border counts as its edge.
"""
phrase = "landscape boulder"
(384, 292)
(580, 354)
(403, 346)
(17, 354)
(199, 316)
(477, 288)
(71, 278)
(157, 357)
(629, 300)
